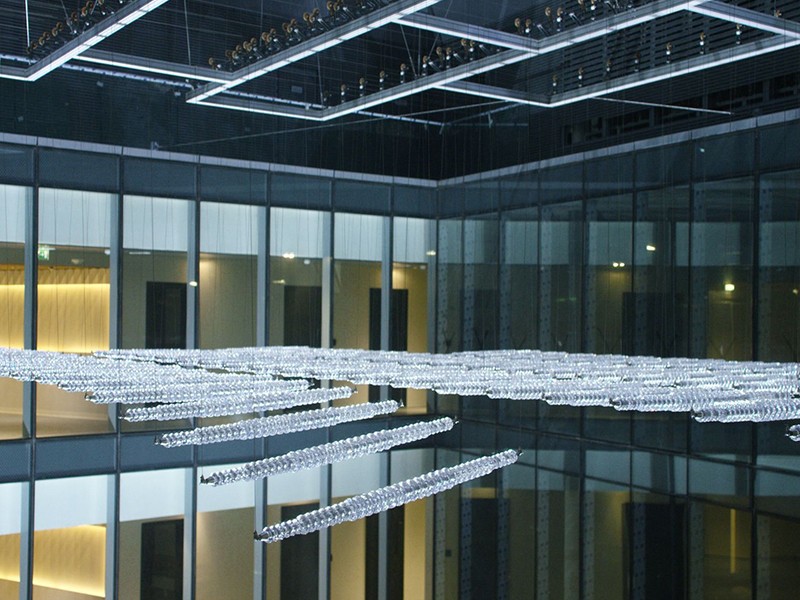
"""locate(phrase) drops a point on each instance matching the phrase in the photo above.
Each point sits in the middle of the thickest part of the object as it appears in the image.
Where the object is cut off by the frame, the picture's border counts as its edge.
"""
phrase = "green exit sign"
(44, 252)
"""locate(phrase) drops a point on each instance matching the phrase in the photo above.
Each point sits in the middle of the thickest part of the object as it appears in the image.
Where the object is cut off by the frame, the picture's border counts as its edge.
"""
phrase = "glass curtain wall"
(73, 299)
(69, 543)
(12, 297)
(228, 274)
(295, 298)
(409, 319)
(10, 527)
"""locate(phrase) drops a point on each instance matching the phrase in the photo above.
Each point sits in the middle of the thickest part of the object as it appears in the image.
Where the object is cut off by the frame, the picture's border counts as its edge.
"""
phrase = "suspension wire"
(326, 126)
(186, 23)
(28, 20)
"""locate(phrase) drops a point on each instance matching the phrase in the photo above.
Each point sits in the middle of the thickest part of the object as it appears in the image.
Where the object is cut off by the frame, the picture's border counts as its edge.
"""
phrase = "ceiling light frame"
(342, 33)
(94, 35)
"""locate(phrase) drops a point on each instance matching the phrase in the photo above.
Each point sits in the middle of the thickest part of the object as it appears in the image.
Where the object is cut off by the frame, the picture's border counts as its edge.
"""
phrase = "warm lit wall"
(73, 309)
(348, 561)
(414, 278)
(352, 282)
(224, 555)
(227, 301)
(12, 292)
(415, 550)
(72, 560)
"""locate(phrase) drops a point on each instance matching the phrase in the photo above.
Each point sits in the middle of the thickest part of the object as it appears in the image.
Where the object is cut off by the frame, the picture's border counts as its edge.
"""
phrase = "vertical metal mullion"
(387, 261)
(28, 500)
(192, 342)
(114, 341)
(261, 498)
(326, 338)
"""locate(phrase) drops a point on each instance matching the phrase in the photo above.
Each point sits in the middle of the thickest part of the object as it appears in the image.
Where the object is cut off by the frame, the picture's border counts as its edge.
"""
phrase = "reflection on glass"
(449, 284)
(151, 550)
(608, 273)
(560, 275)
(12, 286)
(408, 327)
(70, 537)
(481, 248)
(603, 536)
(778, 575)
(357, 253)
(519, 499)
(719, 553)
(519, 279)
(224, 557)
(155, 235)
(10, 497)
(722, 251)
(228, 267)
(295, 290)
(293, 564)
(154, 270)
(73, 299)
(557, 535)
(779, 267)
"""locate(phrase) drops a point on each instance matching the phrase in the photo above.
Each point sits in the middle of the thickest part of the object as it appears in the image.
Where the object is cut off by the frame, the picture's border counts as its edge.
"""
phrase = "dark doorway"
(655, 550)
(299, 559)
(398, 330)
(302, 315)
(395, 562)
(162, 560)
(166, 315)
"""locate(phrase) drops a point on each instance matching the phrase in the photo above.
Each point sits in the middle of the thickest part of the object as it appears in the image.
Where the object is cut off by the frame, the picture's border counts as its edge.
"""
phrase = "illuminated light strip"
(656, 74)
(691, 65)
(475, 33)
(94, 35)
(309, 47)
(488, 91)
(748, 17)
(573, 35)
(443, 78)
(136, 63)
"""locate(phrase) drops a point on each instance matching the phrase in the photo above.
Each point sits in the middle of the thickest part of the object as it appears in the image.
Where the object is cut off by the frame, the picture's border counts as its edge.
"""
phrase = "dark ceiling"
(433, 134)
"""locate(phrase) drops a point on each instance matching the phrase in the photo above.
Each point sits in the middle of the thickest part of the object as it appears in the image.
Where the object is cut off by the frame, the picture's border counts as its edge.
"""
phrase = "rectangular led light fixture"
(347, 31)
(475, 33)
(691, 65)
(747, 17)
(147, 65)
(94, 35)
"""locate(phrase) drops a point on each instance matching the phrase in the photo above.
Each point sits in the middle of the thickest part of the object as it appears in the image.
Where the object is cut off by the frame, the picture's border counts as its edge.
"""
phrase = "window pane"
(10, 520)
(151, 551)
(228, 274)
(295, 290)
(74, 296)
(12, 286)
(70, 538)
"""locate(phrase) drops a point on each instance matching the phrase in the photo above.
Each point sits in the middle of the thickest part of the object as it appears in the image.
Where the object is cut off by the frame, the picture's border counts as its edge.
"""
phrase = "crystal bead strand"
(276, 425)
(236, 406)
(370, 503)
(315, 456)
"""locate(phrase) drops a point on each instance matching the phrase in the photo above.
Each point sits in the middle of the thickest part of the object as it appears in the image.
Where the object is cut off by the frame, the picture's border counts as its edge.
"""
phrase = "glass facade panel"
(413, 255)
(224, 565)
(10, 521)
(722, 270)
(228, 274)
(779, 267)
(12, 297)
(73, 299)
(151, 533)
(69, 544)
(295, 289)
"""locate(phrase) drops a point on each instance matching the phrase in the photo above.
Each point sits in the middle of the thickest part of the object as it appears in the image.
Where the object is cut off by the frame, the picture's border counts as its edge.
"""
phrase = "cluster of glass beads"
(375, 501)
(324, 454)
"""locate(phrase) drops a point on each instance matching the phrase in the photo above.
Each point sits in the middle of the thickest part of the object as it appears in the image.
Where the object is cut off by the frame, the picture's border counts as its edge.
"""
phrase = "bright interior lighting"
(729, 287)
(289, 255)
(650, 248)
(193, 283)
